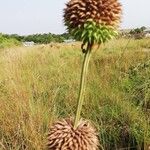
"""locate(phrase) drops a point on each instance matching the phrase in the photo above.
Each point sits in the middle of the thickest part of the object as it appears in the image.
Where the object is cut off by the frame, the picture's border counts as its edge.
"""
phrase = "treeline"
(137, 33)
(39, 38)
(138, 30)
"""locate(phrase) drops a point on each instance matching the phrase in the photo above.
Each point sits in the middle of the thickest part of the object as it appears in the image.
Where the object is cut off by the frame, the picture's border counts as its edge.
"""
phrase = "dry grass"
(40, 84)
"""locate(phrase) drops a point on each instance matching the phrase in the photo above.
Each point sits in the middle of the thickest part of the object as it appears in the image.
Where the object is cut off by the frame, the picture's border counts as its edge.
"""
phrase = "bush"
(8, 42)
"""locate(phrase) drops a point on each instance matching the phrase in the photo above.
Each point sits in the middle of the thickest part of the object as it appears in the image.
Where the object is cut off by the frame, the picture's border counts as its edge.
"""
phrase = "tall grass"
(40, 84)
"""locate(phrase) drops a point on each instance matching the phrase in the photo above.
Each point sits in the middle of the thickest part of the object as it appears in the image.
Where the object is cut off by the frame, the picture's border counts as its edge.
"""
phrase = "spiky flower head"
(63, 136)
(92, 20)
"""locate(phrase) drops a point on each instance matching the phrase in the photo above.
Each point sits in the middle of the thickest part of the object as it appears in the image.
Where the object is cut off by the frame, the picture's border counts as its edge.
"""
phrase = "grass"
(39, 85)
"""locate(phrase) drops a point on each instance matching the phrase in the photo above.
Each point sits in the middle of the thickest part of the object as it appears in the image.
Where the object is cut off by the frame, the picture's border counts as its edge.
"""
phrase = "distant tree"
(138, 33)
(143, 28)
(66, 36)
(137, 30)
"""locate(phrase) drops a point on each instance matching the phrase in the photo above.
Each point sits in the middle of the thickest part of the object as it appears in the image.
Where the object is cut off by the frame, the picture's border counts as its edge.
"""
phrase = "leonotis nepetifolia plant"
(93, 22)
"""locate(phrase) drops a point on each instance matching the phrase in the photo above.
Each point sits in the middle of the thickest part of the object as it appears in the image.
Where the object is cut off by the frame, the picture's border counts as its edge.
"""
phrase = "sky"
(43, 16)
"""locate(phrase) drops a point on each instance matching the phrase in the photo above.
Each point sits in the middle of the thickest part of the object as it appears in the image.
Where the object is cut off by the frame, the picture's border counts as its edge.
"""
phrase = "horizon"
(61, 33)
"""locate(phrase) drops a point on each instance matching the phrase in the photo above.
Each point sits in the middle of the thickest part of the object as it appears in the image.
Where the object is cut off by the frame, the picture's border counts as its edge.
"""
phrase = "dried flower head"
(63, 136)
(93, 20)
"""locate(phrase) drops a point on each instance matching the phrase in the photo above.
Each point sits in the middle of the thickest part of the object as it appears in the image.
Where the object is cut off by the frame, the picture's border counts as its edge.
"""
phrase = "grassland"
(39, 85)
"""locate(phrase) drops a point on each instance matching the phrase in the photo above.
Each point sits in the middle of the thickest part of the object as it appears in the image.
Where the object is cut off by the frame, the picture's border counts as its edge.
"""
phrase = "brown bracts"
(63, 136)
(106, 12)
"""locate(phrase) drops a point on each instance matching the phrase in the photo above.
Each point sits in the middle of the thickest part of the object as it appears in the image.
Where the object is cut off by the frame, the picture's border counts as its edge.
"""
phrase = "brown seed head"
(105, 12)
(62, 136)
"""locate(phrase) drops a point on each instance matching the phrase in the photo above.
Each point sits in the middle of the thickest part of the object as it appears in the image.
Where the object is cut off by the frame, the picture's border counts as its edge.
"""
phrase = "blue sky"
(43, 16)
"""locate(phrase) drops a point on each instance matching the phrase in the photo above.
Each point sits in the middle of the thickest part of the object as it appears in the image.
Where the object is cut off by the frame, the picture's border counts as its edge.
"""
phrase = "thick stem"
(82, 84)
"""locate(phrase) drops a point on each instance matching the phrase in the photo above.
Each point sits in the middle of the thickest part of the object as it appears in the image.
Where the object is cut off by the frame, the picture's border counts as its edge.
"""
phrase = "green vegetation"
(94, 33)
(39, 84)
(8, 41)
(137, 30)
(40, 38)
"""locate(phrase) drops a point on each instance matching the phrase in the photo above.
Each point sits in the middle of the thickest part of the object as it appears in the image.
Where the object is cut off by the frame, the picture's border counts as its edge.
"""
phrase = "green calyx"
(91, 32)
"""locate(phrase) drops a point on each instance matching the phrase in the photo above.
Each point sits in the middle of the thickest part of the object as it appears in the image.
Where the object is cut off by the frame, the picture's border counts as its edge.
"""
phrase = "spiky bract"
(101, 14)
(63, 136)
(93, 33)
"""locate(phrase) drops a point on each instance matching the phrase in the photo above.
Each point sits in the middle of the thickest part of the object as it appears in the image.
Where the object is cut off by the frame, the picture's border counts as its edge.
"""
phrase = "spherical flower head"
(92, 20)
(63, 136)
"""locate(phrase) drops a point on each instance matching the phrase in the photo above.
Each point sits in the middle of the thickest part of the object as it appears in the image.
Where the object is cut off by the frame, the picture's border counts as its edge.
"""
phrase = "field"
(40, 84)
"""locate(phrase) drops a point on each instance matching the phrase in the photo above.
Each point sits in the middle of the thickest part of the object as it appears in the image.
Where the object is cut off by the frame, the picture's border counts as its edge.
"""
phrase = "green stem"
(82, 84)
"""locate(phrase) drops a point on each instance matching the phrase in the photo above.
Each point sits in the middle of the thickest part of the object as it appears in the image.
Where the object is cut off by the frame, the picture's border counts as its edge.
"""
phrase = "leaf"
(84, 33)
